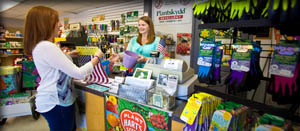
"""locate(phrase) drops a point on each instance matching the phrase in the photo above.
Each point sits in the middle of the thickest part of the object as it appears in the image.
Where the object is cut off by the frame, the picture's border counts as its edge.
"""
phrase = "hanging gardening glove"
(239, 9)
(240, 65)
(217, 69)
(201, 10)
(255, 74)
(285, 72)
(294, 13)
(205, 61)
(265, 12)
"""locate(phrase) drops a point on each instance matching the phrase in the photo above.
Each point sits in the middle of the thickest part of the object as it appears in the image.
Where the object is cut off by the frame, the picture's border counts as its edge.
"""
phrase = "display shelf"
(131, 23)
(241, 24)
(15, 110)
(252, 104)
(237, 24)
(129, 35)
(2, 40)
(11, 48)
(13, 37)
(113, 33)
(7, 55)
(99, 22)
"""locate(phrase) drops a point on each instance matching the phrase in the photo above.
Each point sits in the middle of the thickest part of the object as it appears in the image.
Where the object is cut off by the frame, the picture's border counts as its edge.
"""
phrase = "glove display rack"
(245, 25)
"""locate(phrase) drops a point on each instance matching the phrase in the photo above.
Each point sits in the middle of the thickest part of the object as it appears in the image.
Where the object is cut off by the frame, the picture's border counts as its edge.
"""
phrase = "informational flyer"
(87, 50)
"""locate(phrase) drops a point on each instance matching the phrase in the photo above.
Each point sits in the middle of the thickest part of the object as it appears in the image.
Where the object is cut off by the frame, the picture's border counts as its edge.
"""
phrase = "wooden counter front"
(95, 115)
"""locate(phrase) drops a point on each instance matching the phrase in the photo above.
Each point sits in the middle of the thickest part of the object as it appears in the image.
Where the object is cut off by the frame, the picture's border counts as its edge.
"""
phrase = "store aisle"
(25, 123)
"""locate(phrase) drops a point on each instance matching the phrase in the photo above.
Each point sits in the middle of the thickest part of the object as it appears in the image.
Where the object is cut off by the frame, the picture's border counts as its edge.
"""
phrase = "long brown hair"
(40, 24)
(151, 34)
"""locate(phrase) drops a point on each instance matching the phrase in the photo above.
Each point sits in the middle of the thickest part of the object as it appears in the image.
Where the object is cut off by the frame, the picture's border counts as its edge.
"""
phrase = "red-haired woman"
(55, 97)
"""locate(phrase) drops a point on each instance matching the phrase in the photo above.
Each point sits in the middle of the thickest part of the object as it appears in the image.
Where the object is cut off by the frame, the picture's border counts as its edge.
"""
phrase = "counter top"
(83, 86)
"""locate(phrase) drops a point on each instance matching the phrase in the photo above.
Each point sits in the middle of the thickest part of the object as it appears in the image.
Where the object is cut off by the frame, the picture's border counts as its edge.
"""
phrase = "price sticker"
(171, 64)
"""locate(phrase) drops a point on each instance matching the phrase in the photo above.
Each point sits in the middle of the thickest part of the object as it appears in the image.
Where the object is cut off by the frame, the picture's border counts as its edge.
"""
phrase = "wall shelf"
(237, 24)
(131, 23)
(8, 55)
(13, 37)
(12, 48)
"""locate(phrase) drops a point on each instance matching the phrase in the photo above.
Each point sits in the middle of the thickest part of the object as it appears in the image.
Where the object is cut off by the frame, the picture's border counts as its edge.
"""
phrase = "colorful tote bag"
(30, 75)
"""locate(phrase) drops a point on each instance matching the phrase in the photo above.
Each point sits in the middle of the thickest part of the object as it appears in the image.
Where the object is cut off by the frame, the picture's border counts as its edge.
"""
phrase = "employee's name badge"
(87, 50)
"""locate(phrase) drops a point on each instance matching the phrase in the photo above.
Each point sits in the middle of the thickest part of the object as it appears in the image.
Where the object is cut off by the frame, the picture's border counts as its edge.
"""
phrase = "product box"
(8, 80)
(106, 66)
(158, 97)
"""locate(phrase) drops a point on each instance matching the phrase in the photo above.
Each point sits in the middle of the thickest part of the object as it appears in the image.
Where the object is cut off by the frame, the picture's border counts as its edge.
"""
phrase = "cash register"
(186, 76)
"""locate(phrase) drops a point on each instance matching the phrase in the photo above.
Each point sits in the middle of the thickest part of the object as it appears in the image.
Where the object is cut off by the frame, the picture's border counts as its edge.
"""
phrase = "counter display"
(123, 114)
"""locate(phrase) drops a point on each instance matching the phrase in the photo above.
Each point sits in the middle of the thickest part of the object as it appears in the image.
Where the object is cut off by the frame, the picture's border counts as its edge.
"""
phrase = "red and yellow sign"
(132, 121)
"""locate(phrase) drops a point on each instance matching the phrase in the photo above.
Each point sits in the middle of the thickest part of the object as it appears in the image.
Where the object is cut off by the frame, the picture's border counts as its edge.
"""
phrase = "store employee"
(144, 44)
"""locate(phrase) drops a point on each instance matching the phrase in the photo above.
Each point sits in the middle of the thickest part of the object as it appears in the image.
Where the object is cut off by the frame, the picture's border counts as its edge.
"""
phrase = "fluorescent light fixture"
(7, 4)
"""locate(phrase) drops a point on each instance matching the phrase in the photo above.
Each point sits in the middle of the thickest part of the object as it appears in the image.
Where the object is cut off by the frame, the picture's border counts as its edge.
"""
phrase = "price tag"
(171, 64)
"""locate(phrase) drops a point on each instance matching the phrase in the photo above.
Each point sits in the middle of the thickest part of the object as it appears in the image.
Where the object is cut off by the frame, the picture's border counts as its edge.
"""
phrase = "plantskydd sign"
(171, 12)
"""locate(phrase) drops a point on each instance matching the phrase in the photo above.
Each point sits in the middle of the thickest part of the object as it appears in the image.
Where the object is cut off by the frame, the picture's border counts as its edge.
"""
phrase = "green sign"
(122, 114)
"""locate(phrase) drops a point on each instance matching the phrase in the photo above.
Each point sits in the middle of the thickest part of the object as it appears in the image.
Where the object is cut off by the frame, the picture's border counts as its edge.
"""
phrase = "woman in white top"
(55, 98)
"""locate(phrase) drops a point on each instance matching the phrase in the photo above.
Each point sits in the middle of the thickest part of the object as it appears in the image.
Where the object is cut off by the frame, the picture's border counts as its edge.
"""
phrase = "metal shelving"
(7, 55)
(11, 48)
(259, 106)
(238, 24)
(13, 37)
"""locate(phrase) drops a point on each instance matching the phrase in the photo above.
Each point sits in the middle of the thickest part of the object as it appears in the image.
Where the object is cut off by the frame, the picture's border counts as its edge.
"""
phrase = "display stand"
(237, 25)
(133, 113)
(26, 106)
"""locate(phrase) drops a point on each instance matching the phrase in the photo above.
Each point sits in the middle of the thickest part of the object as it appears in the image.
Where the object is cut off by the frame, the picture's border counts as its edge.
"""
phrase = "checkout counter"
(96, 101)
